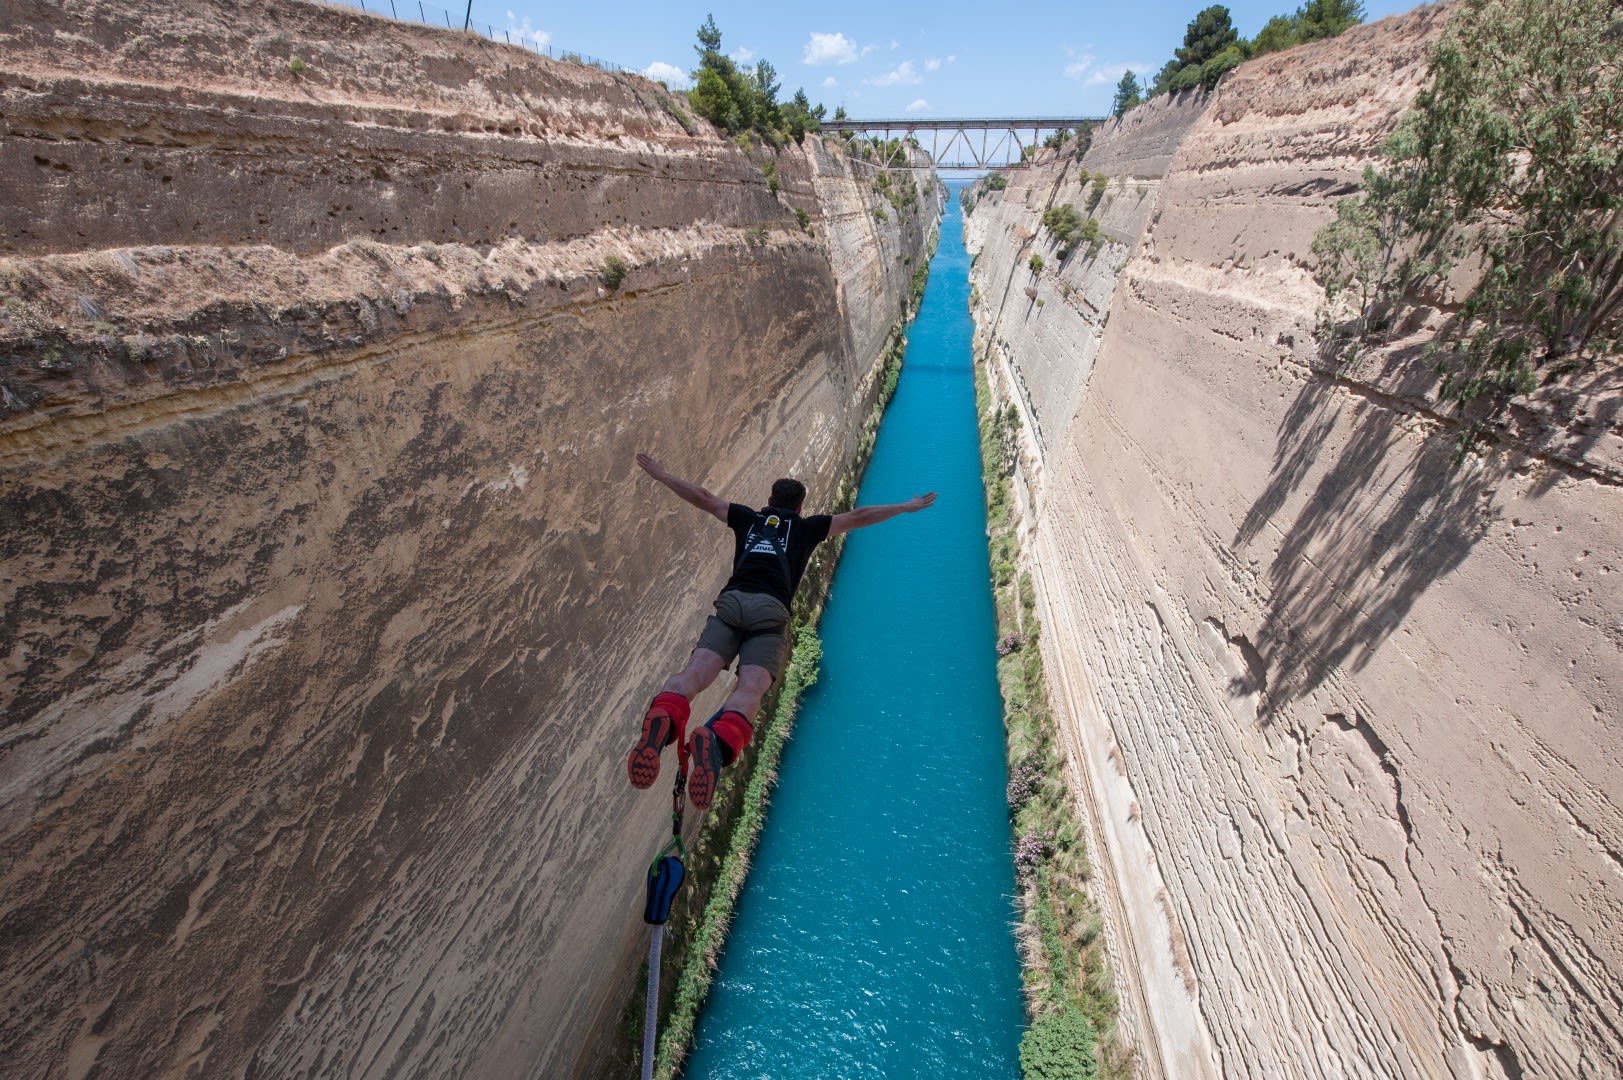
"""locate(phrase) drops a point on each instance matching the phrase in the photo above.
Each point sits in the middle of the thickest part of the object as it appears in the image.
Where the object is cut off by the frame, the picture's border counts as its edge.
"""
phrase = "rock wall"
(1344, 715)
(330, 593)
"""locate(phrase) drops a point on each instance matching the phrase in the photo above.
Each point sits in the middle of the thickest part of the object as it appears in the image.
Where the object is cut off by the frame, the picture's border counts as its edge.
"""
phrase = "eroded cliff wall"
(1345, 716)
(330, 591)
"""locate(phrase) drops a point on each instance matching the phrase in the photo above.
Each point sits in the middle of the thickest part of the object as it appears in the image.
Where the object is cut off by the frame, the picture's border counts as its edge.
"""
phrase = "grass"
(1065, 964)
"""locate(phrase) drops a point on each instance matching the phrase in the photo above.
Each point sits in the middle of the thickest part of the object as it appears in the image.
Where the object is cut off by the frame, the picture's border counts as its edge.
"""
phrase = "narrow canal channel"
(874, 937)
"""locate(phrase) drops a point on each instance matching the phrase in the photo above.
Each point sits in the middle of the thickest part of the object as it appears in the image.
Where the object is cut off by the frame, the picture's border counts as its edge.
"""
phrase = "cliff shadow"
(1381, 525)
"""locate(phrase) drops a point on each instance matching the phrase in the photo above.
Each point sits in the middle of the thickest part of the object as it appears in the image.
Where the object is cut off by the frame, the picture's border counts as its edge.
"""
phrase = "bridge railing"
(1001, 143)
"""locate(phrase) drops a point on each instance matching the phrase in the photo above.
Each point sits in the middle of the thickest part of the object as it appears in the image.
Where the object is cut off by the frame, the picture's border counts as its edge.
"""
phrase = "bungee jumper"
(771, 547)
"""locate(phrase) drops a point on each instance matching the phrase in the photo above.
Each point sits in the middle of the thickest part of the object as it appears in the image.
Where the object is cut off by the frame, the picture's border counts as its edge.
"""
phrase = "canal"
(875, 935)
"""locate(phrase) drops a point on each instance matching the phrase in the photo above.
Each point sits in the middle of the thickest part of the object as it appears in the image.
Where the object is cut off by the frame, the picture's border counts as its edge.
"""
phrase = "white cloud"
(1110, 74)
(830, 83)
(743, 55)
(830, 49)
(866, 49)
(932, 64)
(522, 31)
(904, 75)
(895, 44)
(918, 105)
(953, 59)
(669, 74)
(1079, 65)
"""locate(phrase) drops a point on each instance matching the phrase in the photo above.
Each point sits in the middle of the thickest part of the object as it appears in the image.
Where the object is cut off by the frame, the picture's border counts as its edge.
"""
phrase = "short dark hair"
(787, 494)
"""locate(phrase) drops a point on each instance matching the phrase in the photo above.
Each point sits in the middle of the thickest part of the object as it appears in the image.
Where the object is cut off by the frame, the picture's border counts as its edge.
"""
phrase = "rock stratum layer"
(330, 591)
(1345, 716)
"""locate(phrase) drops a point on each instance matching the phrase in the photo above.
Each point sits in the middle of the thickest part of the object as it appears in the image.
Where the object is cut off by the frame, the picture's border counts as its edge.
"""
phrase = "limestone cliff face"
(1344, 716)
(330, 593)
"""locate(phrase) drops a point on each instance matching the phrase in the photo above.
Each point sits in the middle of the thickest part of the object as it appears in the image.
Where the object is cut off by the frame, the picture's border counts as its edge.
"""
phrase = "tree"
(1163, 78)
(709, 40)
(712, 98)
(764, 87)
(1208, 33)
(1211, 47)
(1510, 167)
(1319, 19)
(736, 100)
(799, 117)
(1280, 32)
(1127, 94)
(1313, 21)
(720, 91)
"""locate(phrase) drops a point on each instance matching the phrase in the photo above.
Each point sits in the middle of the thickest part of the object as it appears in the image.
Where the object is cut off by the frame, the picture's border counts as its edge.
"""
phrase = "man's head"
(787, 495)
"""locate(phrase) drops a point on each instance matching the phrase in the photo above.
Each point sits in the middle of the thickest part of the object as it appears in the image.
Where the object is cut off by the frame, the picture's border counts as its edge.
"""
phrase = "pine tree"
(1326, 18)
(1128, 94)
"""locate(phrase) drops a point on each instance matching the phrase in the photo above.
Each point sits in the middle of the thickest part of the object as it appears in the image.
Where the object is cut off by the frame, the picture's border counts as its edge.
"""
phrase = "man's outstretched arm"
(707, 501)
(872, 515)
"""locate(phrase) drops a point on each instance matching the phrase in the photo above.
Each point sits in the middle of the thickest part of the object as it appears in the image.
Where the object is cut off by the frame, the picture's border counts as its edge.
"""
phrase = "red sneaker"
(658, 732)
(704, 767)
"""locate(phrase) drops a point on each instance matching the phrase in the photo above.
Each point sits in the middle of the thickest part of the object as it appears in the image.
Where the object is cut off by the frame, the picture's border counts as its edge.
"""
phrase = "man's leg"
(723, 738)
(703, 667)
(666, 720)
(745, 700)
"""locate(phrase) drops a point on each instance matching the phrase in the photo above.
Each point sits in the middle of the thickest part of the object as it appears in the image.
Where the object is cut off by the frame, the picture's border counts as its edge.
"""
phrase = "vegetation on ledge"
(1499, 206)
(1070, 991)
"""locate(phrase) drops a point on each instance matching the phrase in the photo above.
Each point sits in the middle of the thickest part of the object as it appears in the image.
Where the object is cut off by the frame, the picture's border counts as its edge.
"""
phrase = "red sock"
(733, 731)
(677, 708)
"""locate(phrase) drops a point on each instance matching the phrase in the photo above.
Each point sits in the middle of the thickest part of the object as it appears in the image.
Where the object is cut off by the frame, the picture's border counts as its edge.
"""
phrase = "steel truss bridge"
(953, 144)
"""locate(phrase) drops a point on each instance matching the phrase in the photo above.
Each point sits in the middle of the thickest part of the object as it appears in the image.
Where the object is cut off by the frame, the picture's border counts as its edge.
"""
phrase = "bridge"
(1001, 143)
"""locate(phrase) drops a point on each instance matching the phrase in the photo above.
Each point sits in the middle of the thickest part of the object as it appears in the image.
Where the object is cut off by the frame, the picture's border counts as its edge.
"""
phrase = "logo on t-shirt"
(768, 536)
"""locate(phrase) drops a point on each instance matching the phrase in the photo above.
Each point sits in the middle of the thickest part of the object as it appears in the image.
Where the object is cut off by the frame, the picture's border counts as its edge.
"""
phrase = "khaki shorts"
(754, 627)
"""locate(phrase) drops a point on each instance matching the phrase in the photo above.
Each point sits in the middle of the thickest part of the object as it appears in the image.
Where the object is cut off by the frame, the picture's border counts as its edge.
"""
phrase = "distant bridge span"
(1001, 143)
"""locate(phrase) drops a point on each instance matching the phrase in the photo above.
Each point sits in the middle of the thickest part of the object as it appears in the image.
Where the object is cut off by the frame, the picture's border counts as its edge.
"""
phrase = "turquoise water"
(874, 937)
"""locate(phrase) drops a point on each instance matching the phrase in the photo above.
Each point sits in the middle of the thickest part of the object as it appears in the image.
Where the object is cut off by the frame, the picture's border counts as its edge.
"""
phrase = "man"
(771, 547)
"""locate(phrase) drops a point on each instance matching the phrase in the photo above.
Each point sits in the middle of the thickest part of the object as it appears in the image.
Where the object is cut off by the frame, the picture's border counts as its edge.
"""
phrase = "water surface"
(874, 937)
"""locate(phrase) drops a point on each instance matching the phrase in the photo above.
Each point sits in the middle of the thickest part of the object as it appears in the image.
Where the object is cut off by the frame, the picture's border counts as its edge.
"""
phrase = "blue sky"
(946, 59)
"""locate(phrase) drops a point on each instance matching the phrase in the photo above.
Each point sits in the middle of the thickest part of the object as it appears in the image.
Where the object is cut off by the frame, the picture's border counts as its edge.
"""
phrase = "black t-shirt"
(771, 548)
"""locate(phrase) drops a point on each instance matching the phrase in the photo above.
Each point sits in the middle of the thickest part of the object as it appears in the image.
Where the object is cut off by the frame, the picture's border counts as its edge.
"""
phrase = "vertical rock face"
(1345, 715)
(329, 592)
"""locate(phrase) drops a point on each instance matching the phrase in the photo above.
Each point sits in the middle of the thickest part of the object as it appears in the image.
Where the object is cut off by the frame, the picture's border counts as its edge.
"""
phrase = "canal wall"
(1342, 713)
(331, 594)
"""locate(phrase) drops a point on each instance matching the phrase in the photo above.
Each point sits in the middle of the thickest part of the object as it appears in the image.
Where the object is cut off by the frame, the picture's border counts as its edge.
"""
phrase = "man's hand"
(710, 503)
(652, 467)
(863, 516)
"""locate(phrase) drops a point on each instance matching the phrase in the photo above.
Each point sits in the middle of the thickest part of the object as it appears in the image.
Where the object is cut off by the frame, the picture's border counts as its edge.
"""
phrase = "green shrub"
(613, 272)
(1059, 1046)
(675, 112)
(1035, 263)
(804, 219)
(1063, 223)
(296, 66)
(1097, 192)
(996, 182)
